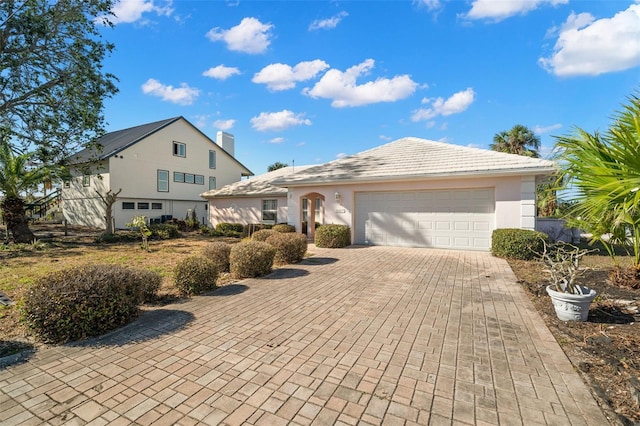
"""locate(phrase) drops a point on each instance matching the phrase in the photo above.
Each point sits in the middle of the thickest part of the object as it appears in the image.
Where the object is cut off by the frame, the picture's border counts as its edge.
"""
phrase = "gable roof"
(414, 158)
(258, 186)
(114, 142)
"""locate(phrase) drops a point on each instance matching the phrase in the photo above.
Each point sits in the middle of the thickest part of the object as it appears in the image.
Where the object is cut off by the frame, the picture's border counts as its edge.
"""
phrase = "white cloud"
(128, 11)
(221, 72)
(329, 23)
(282, 76)
(430, 4)
(546, 129)
(341, 155)
(457, 103)
(249, 36)
(342, 88)
(497, 10)
(276, 140)
(183, 95)
(224, 124)
(587, 46)
(278, 121)
(385, 138)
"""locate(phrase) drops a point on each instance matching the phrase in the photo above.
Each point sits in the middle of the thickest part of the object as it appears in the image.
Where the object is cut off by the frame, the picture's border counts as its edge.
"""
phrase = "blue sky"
(311, 81)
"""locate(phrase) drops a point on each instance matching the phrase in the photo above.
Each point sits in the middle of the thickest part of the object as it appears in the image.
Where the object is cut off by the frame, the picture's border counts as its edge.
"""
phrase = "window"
(128, 206)
(143, 206)
(86, 180)
(212, 182)
(188, 178)
(156, 206)
(179, 149)
(269, 211)
(163, 181)
(199, 179)
(178, 177)
(212, 159)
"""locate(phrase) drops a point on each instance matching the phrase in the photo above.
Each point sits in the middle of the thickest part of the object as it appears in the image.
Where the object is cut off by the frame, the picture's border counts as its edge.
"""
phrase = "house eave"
(538, 171)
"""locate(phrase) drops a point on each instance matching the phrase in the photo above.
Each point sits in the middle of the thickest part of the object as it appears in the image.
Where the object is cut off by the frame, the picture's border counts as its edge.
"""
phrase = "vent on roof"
(226, 141)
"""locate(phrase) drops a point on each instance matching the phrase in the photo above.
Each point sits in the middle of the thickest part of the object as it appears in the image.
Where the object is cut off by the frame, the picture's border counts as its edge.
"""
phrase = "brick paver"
(363, 335)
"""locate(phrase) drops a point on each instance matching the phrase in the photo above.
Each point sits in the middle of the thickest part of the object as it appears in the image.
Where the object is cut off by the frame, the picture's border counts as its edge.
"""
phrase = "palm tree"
(16, 177)
(604, 172)
(277, 165)
(519, 140)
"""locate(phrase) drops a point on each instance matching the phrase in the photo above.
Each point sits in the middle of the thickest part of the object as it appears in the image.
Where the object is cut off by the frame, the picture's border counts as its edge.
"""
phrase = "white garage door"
(458, 219)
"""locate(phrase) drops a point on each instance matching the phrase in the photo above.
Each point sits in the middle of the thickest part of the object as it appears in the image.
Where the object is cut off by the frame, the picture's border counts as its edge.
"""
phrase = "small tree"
(109, 199)
(277, 165)
(140, 222)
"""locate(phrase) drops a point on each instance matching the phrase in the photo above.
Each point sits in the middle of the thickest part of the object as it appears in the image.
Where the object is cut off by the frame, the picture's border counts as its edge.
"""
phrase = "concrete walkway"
(374, 335)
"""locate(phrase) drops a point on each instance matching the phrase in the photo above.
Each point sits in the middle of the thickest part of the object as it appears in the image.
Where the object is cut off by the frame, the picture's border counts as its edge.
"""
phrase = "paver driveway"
(352, 336)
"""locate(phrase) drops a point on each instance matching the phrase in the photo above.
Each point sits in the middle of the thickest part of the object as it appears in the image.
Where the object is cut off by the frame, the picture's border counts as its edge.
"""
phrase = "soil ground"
(605, 349)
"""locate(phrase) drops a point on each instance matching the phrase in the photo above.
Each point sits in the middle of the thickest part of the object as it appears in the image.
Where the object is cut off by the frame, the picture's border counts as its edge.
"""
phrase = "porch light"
(337, 195)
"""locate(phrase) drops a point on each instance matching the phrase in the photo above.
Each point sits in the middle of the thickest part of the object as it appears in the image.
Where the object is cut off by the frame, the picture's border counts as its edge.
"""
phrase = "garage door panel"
(436, 218)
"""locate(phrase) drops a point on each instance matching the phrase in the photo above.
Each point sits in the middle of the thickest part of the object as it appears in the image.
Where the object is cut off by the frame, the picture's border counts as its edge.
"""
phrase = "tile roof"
(415, 158)
(257, 186)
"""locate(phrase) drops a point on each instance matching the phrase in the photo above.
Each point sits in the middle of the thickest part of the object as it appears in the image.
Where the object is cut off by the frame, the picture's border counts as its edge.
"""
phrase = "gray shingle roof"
(114, 142)
(257, 186)
(414, 158)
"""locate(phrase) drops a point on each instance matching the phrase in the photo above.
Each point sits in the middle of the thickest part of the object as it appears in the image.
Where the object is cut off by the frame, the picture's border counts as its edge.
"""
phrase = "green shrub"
(262, 235)
(224, 227)
(195, 274)
(290, 247)
(218, 252)
(333, 236)
(513, 243)
(163, 231)
(251, 259)
(85, 301)
(249, 229)
(283, 227)
(150, 283)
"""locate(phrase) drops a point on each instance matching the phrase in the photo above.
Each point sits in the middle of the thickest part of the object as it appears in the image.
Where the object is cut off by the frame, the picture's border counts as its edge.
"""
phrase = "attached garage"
(453, 219)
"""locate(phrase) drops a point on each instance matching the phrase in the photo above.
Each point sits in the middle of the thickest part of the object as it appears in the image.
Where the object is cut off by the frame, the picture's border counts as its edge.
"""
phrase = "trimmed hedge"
(218, 252)
(194, 275)
(250, 259)
(262, 234)
(514, 243)
(251, 228)
(333, 236)
(224, 227)
(86, 301)
(290, 247)
(283, 227)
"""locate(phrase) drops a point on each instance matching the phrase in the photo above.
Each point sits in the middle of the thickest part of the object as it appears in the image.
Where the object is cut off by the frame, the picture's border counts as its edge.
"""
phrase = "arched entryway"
(311, 213)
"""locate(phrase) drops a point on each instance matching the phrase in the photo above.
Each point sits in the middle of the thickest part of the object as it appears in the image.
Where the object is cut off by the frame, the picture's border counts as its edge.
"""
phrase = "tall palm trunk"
(16, 220)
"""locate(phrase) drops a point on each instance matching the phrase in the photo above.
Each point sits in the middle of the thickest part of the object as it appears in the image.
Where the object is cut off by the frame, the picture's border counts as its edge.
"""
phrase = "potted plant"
(570, 299)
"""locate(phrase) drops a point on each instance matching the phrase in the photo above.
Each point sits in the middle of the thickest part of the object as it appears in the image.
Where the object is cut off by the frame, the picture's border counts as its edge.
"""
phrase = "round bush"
(514, 243)
(150, 283)
(224, 227)
(251, 259)
(290, 247)
(333, 236)
(218, 252)
(262, 234)
(163, 231)
(283, 227)
(195, 274)
(85, 301)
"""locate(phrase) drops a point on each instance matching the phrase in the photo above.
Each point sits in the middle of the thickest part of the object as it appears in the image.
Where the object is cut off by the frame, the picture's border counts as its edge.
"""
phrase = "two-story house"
(161, 168)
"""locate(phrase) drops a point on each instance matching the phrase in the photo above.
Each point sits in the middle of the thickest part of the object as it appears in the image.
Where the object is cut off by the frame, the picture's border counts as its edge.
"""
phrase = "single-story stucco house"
(415, 192)
(251, 201)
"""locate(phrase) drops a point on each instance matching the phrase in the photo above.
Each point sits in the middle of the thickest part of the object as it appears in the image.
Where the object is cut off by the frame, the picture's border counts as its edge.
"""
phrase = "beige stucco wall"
(512, 198)
(243, 210)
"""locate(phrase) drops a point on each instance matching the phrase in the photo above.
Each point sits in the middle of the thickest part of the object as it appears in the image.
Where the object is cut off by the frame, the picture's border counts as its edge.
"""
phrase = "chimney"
(226, 141)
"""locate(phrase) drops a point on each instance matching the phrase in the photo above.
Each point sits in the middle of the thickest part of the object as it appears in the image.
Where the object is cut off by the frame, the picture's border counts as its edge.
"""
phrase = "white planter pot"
(572, 307)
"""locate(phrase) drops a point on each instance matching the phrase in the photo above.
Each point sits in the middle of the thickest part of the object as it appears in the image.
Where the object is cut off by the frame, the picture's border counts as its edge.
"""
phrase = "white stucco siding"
(243, 210)
(507, 191)
(135, 169)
